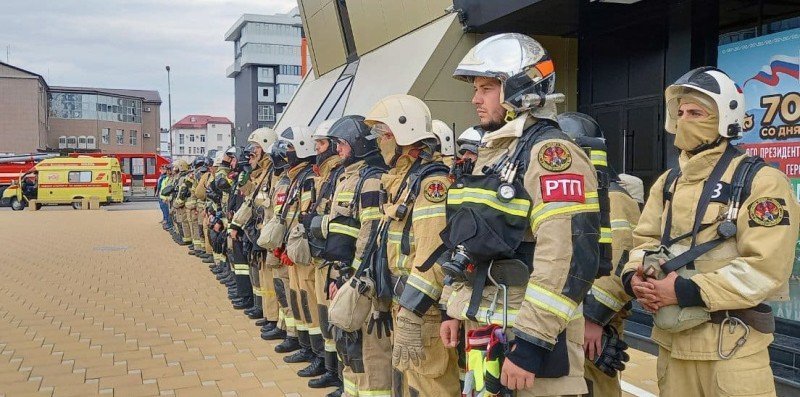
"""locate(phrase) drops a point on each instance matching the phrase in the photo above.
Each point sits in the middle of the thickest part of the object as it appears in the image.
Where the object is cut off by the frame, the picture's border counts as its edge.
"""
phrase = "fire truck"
(140, 171)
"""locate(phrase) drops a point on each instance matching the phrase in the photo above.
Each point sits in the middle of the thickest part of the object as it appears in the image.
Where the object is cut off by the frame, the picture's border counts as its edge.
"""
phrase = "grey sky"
(127, 43)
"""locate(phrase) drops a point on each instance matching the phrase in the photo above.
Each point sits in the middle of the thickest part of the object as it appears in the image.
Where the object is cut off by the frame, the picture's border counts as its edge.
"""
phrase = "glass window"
(181, 150)
(202, 138)
(219, 137)
(104, 135)
(79, 176)
(266, 113)
(191, 138)
(180, 139)
(151, 165)
(266, 75)
(120, 137)
(134, 137)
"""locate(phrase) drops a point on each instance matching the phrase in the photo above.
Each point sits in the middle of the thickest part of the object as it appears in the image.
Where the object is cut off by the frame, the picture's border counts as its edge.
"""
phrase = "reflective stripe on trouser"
(739, 376)
(599, 383)
(201, 240)
(437, 374)
(192, 221)
(323, 303)
(286, 320)
(307, 304)
(376, 380)
(270, 301)
(241, 270)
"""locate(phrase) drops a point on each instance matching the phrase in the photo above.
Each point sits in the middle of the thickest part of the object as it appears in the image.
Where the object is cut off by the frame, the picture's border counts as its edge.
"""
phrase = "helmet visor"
(378, 130)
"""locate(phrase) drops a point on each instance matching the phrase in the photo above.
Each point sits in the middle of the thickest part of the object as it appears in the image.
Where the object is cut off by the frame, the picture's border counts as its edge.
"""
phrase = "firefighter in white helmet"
(715, 242)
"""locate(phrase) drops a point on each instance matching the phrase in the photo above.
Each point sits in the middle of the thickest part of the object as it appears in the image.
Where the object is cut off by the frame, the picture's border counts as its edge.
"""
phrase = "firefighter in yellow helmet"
(523, 230)
(414, 215)
(715, 242)
(181, 196)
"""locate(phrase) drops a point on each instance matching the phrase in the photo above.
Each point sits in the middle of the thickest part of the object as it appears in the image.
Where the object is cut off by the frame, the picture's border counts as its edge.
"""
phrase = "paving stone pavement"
(104, 303)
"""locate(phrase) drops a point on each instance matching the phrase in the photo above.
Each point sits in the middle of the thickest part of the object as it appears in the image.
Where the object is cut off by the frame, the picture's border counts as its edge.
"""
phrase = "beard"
(492, 125)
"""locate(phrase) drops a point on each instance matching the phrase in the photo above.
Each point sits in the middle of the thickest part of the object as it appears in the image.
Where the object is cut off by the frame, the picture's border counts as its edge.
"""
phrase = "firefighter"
(223, 186)
(196, 248)
(204, 172)
(351, 227)
(312, 276)
(716, 240)
(271, 237)
(523, 230)
(237, 250)
(181, 212)
(607, 304)
(245, 222)
(414, 215)
(295, 255)
(468, 143)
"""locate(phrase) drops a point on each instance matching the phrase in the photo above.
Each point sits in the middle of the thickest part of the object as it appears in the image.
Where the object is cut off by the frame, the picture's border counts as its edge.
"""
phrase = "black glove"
(382, 321)
(613, 357)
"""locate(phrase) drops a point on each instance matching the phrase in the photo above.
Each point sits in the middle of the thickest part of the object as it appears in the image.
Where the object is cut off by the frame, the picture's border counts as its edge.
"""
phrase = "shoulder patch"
(555, 157)
(563, 188)
(280, 198)
(435, 191)
(767, 211)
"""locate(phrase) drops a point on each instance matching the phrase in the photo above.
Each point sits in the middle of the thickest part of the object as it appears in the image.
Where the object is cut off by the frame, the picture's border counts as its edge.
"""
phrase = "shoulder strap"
(425, 171)
(368, 172)
(672, 176)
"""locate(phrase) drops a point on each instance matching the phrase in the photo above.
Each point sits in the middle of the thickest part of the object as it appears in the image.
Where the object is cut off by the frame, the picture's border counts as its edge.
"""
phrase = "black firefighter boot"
(289, 344)
(256, 311)
(340, 390)
(274, 333)
(305, 354)
(317, 366)
(331, 376)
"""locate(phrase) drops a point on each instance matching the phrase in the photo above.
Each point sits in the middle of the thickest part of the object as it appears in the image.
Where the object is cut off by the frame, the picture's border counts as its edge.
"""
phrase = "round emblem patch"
(555, 157)
(766, 211)
(435, 192)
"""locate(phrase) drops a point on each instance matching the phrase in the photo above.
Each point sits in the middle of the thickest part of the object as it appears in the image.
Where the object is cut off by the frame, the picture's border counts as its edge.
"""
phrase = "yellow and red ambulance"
(65, 180)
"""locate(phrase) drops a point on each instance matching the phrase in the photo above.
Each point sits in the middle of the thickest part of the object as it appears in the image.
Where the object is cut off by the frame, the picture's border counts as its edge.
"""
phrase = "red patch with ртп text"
(562, 187)
(280, 198)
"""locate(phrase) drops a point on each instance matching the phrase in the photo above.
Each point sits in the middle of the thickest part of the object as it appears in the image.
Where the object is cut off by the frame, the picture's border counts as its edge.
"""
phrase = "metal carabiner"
(493, 306)
(732, 323)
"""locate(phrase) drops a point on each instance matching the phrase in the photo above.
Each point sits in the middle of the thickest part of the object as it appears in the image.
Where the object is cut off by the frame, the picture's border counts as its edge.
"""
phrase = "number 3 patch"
(562, 187)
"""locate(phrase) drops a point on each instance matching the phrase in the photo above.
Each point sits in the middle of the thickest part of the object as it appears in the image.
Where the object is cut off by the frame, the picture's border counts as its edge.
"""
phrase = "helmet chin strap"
(706, 146)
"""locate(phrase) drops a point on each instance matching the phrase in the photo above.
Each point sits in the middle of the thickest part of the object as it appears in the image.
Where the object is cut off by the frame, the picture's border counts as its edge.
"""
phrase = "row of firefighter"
(397, 259)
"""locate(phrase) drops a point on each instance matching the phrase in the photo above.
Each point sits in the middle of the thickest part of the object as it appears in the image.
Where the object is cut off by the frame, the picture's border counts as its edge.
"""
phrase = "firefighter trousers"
(321, 292)
(286, 321)
(738, 376)
(371, 371)
(241, 269)
(304, 304)
(437, 374)
(269, 300)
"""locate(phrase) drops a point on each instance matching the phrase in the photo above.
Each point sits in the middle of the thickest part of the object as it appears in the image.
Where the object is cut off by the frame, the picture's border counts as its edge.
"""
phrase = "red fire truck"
(140, 171)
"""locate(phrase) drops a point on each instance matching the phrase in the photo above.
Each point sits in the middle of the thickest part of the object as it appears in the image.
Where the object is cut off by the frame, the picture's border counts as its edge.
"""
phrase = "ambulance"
(64, 180)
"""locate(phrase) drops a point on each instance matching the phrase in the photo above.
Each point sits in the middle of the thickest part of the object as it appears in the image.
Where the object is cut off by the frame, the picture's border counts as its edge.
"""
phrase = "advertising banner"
(767, 68)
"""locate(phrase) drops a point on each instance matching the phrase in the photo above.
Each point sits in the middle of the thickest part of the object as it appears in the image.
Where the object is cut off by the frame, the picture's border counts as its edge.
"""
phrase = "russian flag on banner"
(778, 64)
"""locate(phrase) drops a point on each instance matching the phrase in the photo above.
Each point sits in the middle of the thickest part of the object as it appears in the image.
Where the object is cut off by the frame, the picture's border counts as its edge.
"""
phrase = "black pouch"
(466, 227)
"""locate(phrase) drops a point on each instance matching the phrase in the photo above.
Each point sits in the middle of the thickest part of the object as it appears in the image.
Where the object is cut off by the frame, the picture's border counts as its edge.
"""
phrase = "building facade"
(108, 120)
(200, 135)
(267, 68)
(23, 110)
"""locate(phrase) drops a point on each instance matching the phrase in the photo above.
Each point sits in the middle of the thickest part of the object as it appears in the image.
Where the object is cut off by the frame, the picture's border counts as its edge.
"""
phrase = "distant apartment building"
(23, 110)
(200, 135)
(37, 117)
(109, 120)
(267, 68)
